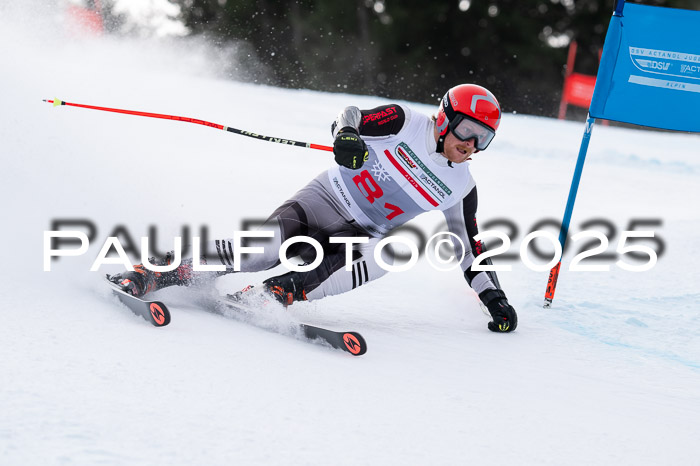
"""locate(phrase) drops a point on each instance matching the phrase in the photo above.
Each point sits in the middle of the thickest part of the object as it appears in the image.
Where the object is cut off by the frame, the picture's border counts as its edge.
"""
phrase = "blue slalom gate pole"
(564, 232)
(645, 78)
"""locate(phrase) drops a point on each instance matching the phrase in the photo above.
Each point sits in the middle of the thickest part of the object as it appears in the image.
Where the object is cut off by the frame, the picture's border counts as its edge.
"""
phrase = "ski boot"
(284, 289)
(142, 280)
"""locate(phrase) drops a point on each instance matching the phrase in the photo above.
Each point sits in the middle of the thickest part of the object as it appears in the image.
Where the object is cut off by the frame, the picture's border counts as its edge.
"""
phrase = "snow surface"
(610, 375)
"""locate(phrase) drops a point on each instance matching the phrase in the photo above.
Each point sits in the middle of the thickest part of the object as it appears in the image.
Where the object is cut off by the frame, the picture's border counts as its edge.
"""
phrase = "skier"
(392, 165)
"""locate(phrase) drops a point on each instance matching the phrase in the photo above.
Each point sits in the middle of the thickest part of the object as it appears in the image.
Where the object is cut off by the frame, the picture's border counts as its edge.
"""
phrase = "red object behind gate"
(578, 88)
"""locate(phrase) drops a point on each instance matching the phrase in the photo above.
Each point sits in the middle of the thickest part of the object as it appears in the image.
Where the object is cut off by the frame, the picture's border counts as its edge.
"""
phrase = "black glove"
(504, 317)
(349, 149)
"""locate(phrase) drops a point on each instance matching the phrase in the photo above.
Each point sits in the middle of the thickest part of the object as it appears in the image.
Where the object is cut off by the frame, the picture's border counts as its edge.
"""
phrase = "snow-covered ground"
(610, 375)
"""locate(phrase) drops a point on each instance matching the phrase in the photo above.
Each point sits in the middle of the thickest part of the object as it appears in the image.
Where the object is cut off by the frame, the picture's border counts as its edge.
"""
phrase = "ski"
(350, 342)
(154, 312)
(157, 313)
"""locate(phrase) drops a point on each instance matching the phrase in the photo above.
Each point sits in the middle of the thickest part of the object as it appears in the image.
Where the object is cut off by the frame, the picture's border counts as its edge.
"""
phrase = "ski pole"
(564, 231)
(290, 142)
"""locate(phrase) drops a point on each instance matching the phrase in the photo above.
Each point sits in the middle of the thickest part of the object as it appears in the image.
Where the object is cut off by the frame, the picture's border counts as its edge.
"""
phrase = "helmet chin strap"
(442, 129)
(440, 148)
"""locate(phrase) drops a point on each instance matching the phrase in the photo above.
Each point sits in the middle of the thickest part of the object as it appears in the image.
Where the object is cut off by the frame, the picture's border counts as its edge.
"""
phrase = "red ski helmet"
(469, 111)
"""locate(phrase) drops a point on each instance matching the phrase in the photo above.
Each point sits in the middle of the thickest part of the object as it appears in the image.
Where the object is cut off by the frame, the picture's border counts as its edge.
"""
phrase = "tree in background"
(410, 49)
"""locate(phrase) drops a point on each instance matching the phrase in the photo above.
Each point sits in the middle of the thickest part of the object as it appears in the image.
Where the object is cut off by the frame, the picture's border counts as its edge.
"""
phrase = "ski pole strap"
(291, 142)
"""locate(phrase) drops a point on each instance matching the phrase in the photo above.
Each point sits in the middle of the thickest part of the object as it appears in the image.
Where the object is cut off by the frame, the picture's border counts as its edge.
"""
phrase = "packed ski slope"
(610, 375)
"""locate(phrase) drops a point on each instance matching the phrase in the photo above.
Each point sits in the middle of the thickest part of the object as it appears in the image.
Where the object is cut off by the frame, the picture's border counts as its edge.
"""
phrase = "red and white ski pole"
(289, 142)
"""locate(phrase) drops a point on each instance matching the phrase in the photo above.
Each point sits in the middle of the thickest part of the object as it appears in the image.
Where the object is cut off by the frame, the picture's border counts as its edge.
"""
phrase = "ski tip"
(354, 343)
(160, 316)
(154, 312)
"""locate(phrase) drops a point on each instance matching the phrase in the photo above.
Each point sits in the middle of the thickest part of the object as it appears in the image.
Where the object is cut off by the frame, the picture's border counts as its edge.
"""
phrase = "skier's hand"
(349, 149)
(504, 316)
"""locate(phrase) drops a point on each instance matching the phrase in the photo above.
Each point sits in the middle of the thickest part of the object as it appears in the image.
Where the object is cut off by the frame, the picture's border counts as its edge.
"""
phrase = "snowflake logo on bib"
(379, 172)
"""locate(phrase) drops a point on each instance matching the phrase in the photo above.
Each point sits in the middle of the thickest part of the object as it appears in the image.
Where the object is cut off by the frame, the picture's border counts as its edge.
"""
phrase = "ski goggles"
(465, 128)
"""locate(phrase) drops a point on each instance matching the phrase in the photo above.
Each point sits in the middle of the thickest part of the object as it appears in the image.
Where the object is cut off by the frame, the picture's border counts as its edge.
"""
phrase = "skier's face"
(457, 151)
